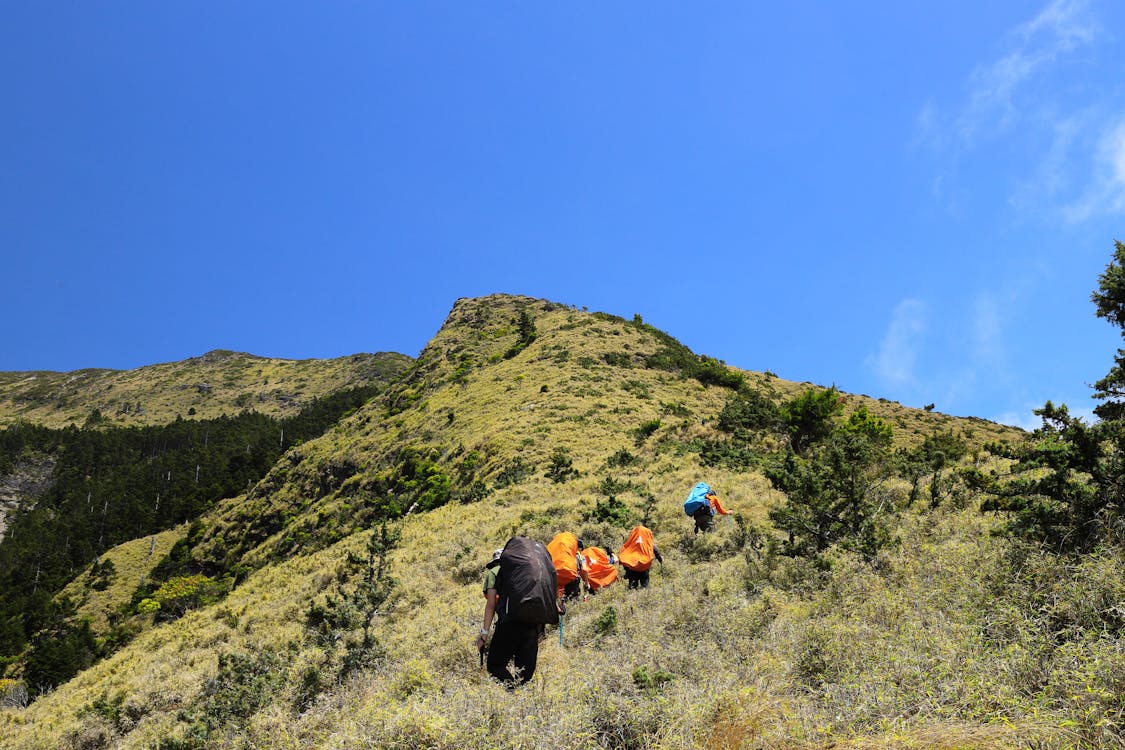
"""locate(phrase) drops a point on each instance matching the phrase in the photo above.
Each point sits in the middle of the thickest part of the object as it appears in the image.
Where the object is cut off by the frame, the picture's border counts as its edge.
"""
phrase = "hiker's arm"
(490, 598)
(656, 553)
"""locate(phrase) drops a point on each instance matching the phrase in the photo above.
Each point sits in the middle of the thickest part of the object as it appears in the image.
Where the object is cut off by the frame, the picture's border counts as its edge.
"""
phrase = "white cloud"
(1055, 174)
(894, 363)
(1106, 192)
(993, 104)
(987, 333)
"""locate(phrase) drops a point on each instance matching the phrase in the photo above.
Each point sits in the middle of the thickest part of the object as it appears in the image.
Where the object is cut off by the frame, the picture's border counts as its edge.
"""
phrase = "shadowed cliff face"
(30, 479)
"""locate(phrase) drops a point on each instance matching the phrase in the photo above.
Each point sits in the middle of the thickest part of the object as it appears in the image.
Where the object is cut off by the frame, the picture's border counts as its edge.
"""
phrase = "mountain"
(334, 602)
(218, 382)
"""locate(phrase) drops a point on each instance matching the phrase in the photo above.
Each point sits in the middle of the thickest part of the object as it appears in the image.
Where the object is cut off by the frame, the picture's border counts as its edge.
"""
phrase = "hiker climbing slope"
(519, 591)
(702, 504)
(599, 568)
(568, 563)
(636, 556)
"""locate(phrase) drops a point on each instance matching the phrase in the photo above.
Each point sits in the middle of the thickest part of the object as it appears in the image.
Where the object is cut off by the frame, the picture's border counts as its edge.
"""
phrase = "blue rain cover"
(697, 498)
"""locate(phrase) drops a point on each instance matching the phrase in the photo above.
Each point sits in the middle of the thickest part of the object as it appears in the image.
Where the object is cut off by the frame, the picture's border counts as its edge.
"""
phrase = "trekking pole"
(561, 621)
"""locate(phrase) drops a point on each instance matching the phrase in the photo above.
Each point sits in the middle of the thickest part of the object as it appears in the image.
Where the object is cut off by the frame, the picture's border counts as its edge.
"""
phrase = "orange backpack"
(598, 571)
(638, 552)
(564, 552)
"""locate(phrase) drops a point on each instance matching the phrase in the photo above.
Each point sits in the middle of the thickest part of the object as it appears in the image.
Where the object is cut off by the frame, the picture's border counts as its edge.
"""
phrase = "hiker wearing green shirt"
(513, 641)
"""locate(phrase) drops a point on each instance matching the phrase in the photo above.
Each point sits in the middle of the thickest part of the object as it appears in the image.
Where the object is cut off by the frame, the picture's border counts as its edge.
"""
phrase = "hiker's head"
(495, 558)
(581, 544)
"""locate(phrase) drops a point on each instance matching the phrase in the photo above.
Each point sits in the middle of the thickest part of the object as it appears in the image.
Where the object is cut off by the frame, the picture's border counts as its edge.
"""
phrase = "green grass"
(204, 387)
(937, 643)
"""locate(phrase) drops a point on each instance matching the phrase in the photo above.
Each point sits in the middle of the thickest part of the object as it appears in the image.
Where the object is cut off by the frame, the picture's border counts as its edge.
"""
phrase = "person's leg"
(501, 651)
(642, 579)
(526, 653)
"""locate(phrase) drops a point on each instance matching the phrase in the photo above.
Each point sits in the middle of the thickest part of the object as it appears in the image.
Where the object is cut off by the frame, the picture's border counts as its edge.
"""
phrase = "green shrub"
(606, 622)
(651, 680)
(645, 430)
(611, 511)
(561, 468)
(621, 459)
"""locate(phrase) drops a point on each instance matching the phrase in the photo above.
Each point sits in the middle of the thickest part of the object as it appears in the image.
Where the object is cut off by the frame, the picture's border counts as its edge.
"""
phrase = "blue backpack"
(697, 499)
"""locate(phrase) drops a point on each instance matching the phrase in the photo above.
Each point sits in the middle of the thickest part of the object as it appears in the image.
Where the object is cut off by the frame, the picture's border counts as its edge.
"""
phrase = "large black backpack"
(526, 583)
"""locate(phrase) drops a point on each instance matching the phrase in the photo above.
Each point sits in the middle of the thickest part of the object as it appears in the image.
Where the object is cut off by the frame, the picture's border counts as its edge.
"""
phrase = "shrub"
(561, 467)
(621, 459)
(515, 472)
(606, 623)
(749, 412)
(611, 511)
(645, 430)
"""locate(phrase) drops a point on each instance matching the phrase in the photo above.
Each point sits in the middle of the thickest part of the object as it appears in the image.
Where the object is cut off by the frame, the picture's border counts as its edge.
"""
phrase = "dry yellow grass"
(132, 562)
(203, 387)
(726, 648)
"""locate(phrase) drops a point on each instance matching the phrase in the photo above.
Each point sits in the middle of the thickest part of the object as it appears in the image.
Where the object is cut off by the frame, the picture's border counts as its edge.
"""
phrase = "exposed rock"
(31, 478)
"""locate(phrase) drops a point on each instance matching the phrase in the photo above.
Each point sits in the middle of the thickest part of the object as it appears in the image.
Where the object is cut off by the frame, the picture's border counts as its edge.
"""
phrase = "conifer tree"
(1066, 488)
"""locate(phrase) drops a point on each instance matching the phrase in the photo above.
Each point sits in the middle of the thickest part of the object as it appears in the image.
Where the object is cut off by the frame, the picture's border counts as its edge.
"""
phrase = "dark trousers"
(516, 642)
(703, 518)
(637, 578)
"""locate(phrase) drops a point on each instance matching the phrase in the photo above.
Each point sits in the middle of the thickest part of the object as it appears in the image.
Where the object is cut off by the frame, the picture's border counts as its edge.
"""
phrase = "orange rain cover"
(637, 553)
(599, 572)
(564, 549)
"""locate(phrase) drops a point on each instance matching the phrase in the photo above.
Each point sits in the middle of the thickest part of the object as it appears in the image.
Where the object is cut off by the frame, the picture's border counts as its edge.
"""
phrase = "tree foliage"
(810, 416)
(1066, 488)
(833, 487)
(116, 484)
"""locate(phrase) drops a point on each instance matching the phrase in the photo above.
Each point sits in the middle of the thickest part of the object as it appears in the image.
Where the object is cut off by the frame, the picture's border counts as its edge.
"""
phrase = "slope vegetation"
(357, 561)
(217, 383)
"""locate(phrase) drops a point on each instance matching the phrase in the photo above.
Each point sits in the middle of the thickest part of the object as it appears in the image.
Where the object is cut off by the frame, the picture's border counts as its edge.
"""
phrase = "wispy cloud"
(993, 104)
(894, 364)
(988, 329)
(1037, 98)
(1105, 192)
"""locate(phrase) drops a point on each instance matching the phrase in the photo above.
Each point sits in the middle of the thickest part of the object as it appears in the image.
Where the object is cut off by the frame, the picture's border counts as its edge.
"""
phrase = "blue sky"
(909, 200)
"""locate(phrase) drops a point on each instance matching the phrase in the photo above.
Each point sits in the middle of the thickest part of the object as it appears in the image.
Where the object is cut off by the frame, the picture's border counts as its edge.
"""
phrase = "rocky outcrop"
(30, 479)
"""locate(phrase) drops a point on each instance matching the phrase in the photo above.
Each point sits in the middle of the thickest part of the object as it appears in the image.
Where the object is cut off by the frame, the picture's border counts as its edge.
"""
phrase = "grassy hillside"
(523, 416)
(217, 383)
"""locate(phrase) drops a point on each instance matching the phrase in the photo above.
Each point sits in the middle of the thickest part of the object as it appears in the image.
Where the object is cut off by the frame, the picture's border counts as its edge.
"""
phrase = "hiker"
(519, 592)
(702, 504)
(599, 568)
(564, 550)
(636, 556)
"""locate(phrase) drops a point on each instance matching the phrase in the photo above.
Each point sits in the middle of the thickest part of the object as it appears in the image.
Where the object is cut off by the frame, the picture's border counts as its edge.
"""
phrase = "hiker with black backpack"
(519, 592)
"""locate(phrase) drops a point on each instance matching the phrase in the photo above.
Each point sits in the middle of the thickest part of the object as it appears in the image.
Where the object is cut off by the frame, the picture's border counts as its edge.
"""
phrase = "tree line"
(114, 484)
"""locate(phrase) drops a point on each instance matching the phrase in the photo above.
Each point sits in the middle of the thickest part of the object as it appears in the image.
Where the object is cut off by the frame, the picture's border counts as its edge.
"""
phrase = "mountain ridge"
(527, 416)
(217, 382)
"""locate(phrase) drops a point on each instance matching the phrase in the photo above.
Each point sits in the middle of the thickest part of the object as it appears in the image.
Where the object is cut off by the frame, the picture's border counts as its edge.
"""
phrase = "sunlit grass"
(205, 387)
(932, 645)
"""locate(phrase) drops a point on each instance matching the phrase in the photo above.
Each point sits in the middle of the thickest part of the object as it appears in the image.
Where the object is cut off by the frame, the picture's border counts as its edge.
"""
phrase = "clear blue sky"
(909, 200)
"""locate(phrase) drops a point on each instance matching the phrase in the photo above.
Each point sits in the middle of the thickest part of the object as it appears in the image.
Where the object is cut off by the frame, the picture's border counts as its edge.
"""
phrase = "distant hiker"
(702, 504)
(568, 563)
(519, 590)
(599, 568)
(636, 556)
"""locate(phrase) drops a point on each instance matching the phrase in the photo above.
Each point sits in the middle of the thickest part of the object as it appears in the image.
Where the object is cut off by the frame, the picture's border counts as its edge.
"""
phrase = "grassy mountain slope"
(940, 642)
(216, 383)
